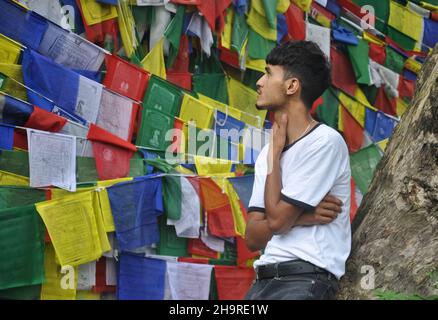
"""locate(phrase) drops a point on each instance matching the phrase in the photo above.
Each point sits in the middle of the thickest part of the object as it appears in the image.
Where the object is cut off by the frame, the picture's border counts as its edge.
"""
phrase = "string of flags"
(96, 194)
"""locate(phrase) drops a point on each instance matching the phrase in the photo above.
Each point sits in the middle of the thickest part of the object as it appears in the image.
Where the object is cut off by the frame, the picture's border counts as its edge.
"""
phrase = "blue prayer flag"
(13, 111)
(243, 186)
(21, 25)
(51, 80)
(6, 137)
(136, 205)
(140, 278)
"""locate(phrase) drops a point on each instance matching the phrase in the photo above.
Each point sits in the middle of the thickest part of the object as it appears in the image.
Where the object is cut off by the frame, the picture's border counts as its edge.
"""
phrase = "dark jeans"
(304, 286)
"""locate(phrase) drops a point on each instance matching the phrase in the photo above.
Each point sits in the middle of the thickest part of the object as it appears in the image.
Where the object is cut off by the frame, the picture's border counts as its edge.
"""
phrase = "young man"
(304, 253)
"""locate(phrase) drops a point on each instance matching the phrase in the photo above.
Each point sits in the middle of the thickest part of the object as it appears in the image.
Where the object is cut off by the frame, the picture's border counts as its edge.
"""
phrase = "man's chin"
(262, 107)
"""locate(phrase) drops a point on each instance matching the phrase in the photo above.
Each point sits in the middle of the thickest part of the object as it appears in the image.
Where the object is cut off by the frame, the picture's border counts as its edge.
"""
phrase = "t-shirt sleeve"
(313, 174)
(257, 201)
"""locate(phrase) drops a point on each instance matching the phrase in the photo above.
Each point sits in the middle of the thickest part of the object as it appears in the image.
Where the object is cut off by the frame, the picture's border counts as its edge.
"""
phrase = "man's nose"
(259, 83)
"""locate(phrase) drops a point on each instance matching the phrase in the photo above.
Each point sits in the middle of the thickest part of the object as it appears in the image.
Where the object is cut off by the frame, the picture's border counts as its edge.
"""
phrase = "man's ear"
(292, 86)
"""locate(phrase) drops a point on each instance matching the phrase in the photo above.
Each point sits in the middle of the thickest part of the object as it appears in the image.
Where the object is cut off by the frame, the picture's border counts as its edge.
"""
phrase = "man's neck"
(299, 121)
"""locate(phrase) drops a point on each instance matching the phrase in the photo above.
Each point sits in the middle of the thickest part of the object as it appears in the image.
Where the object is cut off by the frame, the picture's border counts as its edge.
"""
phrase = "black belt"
(287, 268)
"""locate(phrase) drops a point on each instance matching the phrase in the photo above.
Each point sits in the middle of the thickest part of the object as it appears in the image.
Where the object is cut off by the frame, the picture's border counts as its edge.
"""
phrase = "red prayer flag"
(181, 62)
(39, 119)
(112, 153)
(181, 79)
(353, 204)
(406, 88)
(233, 282)
(218, 207)
(384, 104)
(243, 253)
(353, 132)
(296, 25)
(342, 72)
(125, 78)
(197, 247)
(377, 53)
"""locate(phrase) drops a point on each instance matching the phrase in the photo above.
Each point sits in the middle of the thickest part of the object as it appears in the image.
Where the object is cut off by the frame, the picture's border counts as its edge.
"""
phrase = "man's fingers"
(331, 206)
(330, 198)
(324, 220)
(327, 213)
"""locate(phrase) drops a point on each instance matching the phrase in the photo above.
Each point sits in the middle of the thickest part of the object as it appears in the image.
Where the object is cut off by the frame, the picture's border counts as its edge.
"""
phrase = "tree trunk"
(395, 232)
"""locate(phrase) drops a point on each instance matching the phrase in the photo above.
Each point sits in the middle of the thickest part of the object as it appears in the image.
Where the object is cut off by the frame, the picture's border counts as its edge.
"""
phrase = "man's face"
(272, 89)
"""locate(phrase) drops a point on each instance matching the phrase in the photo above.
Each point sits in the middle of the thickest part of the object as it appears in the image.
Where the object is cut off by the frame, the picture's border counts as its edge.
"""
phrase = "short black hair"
(305, 61)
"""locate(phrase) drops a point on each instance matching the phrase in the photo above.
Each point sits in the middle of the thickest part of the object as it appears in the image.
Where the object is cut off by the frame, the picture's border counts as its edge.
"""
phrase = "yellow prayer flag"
(413, 65)
(193, 109)
(340, 121)
(371, 38)
(9, 50)
(154, 60)
(382, 144)
(239, 220)
(96, 12)
(222, 107)
(244, 99)
(126, 28)
(60, 283)
(228, 29)
(405, 20)
(71, 224)
(360, 97)
(87, 295)
(402, 106)
(98, 212)
(101, 229)
(429, 6)
(11, 179)
(356, 109)
(260, 24)
(283, 5)
(206, 166)
(303, 4)
(11, 87)
(255, 64)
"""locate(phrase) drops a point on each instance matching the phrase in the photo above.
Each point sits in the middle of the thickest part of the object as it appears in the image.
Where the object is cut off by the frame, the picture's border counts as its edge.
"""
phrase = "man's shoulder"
(328, 136)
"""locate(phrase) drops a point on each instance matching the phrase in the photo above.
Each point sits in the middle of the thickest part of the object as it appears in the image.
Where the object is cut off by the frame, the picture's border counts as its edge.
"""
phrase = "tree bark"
(395, 231)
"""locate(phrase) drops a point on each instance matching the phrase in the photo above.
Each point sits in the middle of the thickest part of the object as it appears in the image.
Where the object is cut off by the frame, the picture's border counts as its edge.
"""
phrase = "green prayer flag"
(251, 77)
(170, 244)
(228, 257)
(259, 47)
(404, 41)
(171, 189)
(22, 293)
(363, 163)
(14, 196)
(271, 12)
(21, 247)
(381, 10)
(394, 60)
(239, 32)
(359, 57)
(2, 80)
(173, 34)
(211, 85)
(328, 111)
(15, 161)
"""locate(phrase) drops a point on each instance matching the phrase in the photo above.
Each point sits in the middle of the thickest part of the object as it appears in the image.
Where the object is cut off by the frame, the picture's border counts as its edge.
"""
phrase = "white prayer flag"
(52, 159)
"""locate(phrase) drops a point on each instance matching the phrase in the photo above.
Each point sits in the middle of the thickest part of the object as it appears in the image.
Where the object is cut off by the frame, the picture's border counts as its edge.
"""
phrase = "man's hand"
(326, 211)
(279, 134)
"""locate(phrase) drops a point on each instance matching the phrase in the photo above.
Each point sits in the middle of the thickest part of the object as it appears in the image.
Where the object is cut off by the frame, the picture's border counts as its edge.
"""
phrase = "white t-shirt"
(313, 166)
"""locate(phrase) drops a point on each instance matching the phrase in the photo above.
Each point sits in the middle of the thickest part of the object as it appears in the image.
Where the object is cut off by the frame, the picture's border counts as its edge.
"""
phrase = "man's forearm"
(280, 216)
